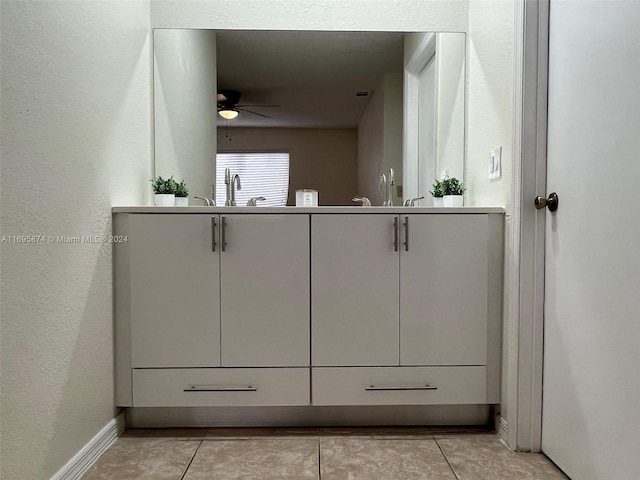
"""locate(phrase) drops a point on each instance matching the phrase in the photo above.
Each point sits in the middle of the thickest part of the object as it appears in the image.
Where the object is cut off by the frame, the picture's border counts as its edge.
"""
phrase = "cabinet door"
(175, 303)
(265, 290)
(444, 290)
(354, 284)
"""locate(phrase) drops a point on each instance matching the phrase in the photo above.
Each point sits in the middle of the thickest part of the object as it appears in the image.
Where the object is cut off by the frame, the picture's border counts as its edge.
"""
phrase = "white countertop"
(307, 210)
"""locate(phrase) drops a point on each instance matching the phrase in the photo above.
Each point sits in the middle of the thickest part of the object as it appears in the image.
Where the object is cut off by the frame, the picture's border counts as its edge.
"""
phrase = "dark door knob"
(551, 202)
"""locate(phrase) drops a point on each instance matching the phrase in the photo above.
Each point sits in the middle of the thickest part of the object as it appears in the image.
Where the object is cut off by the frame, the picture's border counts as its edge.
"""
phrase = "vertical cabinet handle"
(395, 234)
(223, 234)
(213, 234)
(406, 234)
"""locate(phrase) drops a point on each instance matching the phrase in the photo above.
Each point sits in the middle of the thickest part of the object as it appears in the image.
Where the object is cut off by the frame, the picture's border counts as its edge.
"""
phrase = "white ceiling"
(313, 76)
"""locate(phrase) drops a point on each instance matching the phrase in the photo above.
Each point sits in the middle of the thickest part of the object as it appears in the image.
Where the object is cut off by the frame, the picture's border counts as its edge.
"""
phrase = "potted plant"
(165, 191)
(438, 193)
(182, 194)
(453, 190)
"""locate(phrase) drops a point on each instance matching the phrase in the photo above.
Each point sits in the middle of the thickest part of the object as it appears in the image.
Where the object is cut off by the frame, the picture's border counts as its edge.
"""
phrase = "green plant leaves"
(447, 186)
(162, 186)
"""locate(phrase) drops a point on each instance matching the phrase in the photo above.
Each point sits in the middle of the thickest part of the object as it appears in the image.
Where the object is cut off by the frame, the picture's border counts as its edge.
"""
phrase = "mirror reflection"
(346, 107)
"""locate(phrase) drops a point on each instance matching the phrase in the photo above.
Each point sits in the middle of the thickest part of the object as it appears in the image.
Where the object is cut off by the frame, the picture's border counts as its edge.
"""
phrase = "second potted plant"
(165, 191)
(182, 194)
(453, 190)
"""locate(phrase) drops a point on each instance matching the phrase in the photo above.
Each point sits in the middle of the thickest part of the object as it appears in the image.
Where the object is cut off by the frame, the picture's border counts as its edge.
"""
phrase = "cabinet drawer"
(399, 386)
(212, 387)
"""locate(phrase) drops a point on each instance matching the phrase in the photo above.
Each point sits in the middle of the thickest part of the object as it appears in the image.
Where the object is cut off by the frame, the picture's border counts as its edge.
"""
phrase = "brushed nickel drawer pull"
(406, 234)
(223, 234)
(216, 388)
(213, 234)
(382, 388)
(395, 234)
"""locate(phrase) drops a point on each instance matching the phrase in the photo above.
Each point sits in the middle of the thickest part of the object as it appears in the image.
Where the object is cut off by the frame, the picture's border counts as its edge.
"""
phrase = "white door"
(591, 402)
(427, 130)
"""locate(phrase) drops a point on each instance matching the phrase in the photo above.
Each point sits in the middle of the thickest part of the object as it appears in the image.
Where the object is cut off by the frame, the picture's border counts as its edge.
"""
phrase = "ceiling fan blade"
(228, 97)
(254, 113)
(258, 105)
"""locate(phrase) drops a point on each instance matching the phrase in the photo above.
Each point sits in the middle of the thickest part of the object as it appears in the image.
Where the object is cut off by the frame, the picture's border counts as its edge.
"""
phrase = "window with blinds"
(261, 175)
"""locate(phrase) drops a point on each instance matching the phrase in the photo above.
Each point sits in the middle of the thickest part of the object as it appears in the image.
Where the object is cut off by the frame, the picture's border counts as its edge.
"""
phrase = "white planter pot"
(164, 199)
(182, 202)
(438, 202)
(453, 200)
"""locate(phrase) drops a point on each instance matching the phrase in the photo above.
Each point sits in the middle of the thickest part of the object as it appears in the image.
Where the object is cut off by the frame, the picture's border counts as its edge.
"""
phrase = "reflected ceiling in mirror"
(303, 79)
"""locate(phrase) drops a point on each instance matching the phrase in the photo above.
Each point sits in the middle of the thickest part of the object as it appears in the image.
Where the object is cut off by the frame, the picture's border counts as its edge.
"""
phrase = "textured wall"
(75, 139)
(489, 100)
(489, 122)
(384, 15)
(185, 94)
(321, 159)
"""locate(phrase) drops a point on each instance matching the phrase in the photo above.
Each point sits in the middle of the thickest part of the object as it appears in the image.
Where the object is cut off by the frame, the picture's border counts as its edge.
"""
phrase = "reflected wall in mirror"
(346, 106)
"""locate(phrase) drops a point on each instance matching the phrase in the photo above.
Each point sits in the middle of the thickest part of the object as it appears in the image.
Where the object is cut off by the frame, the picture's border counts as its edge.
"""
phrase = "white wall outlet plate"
(495, 163)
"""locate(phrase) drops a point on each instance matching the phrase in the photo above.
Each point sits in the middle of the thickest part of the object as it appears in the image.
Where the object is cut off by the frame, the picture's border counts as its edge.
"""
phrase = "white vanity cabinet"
(421, 320)
(215, 291)
(323, 307)
(418, 289)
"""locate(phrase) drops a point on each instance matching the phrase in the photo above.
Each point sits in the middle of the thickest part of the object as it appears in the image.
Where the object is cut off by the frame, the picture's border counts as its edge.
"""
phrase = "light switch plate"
(495, 163)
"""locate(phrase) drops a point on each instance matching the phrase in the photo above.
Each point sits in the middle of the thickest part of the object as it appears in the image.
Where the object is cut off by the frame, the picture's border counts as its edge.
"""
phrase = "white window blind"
(261, 175)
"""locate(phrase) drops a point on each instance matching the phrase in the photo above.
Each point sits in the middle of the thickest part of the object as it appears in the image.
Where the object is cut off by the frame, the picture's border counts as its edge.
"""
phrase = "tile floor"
(436, 453)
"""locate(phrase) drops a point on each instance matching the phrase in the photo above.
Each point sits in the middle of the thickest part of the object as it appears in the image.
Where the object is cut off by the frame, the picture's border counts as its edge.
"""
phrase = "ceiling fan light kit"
(228, 113)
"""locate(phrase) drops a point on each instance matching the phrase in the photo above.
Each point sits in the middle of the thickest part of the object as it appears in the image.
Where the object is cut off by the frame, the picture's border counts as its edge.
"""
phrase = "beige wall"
(490, 54)
(490, 100)
(75, 140)
(321, 159)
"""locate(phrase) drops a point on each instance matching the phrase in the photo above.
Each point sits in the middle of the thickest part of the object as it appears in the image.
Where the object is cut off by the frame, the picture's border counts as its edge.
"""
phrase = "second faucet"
(230, 181)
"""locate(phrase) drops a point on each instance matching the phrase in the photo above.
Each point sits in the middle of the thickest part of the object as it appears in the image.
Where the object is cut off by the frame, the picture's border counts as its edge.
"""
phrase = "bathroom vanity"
(326, 306)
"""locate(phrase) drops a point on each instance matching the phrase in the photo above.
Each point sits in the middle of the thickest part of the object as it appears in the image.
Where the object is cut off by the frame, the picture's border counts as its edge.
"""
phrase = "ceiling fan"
(228, 107)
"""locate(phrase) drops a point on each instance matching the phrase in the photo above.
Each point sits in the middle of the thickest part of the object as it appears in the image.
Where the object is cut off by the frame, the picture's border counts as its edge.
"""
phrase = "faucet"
(252, 201)
(207, 201)
(230, 181)
(412, 201)
(386, 183)
(382, 185)
(391, 182)
(364, 200)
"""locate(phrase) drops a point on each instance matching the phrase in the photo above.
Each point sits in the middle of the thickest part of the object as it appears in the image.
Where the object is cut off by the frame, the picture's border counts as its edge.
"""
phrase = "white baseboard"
(89, 454)
(503, 428)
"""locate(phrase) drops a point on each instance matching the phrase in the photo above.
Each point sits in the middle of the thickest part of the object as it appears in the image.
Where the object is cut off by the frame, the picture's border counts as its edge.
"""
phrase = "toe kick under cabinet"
(233, 307)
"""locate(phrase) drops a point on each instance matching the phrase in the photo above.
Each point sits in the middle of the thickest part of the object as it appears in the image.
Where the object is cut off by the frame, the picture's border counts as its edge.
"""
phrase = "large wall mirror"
(345, 106)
